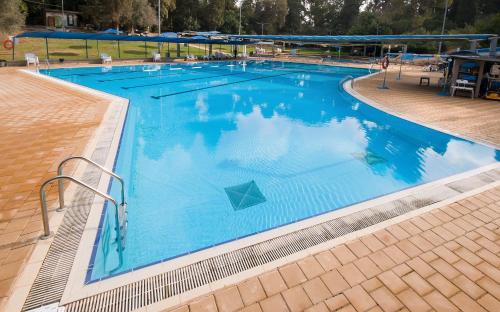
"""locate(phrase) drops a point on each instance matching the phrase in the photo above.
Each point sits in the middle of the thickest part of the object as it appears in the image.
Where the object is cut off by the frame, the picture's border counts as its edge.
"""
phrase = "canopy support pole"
(119, 54)
(145, 50)
(493, 47)
(210, 49)
(188, 48)
(46, 48)
(168, 49)
(13, 48)
(178, 50)
(86, 49)
(98, 52)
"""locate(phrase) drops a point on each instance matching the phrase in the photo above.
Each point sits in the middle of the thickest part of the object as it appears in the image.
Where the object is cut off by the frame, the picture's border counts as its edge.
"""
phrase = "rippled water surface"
(216, 151)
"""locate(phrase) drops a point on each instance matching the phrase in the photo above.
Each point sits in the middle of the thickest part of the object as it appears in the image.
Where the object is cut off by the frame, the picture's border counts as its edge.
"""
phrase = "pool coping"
(75, 291)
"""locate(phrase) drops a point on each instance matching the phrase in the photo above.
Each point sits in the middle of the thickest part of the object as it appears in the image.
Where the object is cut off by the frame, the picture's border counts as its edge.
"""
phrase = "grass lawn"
(73, 49)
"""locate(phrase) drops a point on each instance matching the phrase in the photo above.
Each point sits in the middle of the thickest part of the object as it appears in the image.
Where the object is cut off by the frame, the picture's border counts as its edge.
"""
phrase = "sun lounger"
(31, 58)
(105, 58)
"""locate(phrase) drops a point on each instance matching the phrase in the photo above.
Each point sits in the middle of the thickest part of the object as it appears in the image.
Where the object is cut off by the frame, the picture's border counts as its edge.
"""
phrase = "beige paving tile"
(292, 274)
(334, 281)
(272, 283)
(316, 290)
(439, 302)
(413, 301)
(311, 267)
(351, 274)
(327, 260)
(204, 304)
(228, 299)
(251, 291)
(274, 304)
(296, 299)
(359, 298)
(465, 303)
(336, 302)
(386, 300)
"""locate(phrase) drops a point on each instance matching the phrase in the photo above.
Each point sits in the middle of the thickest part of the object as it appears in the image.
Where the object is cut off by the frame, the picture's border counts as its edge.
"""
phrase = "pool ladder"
(120, 209)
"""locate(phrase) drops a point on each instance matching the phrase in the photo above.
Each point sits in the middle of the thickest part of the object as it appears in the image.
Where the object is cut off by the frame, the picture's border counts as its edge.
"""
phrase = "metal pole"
(159, 23)
(400, 65)
(239, 28)
(444, 23)
(13, 48)
(46, 48)
(145, 50)
(62, 9)
(119, 54)
(86, 49)
(97, 47)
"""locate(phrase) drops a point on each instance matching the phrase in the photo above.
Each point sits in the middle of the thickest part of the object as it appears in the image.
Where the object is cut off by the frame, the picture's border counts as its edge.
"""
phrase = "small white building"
(55, 19)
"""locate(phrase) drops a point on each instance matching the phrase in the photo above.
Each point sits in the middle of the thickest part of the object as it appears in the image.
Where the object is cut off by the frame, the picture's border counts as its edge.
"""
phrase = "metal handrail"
(45, 213)
(43, 202)
(61, 183)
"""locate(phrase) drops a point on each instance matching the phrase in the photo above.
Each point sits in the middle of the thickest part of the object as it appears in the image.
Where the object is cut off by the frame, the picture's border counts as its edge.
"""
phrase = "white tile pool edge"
(77, 290)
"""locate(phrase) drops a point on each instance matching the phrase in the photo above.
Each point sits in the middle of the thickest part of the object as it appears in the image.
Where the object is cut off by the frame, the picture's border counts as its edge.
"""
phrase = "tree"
(142, 14)
(11, 16)
(295, 18)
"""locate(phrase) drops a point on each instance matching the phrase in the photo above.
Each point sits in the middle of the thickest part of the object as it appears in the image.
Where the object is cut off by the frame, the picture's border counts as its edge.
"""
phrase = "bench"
(425, 78)
(463, 85)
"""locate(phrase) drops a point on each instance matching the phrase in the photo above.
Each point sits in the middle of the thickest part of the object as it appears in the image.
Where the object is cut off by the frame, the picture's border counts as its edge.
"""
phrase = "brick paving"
(444, 260)
(40, 123)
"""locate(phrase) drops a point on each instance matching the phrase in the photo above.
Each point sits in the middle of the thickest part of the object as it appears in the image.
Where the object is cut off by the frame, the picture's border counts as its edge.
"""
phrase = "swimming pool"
(212, 152)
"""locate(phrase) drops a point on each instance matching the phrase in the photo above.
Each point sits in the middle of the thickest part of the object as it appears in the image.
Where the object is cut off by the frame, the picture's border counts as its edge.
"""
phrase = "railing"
(341, 83)
(61, 183)
(120, 209)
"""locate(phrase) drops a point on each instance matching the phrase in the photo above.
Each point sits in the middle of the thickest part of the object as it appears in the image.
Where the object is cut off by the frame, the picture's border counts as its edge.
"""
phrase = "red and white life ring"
(385, 62)
(8, 44)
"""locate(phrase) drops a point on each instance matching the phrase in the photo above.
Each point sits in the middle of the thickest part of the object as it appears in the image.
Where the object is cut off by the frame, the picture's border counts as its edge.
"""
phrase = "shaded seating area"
(477, 75)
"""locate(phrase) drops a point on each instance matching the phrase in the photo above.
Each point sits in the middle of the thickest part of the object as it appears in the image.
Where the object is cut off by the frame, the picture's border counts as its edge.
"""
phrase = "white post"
(444, 23)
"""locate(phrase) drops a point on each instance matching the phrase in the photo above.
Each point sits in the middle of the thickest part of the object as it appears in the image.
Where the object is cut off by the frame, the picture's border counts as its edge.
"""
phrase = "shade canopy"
(114, 37)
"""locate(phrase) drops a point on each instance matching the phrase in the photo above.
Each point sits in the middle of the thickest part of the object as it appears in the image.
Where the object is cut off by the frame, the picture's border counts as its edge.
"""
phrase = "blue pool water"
(213, 152)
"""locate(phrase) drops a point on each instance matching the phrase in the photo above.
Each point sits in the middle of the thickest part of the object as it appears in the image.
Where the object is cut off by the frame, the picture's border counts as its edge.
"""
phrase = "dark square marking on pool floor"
(244, 195)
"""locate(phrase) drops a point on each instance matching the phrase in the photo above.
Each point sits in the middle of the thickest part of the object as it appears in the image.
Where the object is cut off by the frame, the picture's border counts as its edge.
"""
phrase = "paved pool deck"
(444, 260)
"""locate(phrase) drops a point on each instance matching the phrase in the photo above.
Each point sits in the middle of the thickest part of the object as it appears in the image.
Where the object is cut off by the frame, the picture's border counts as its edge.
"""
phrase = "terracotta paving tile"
(358, 248)
(316, 290)
(468, 270)
(228, 299)
(204, 304)
(433, 238)
(409, 248)
(372, 242)
(489, 270)
(336, 302)
(445, 268)
(468, 256)
(320, 307)
(343, 254)
(402, 269)
(351, 274)
(421, 267)
(446, 254)
(439, 302)
(327, 260)
(469, 287)
(418, 284)
(272, 283)
(421, 242)
(442, 284)
(274, 304)
(359, 298)
(252, 308)
(334, 281)
(392, 281)
(382, 260)
(371, 284)
(292, 274)
(386, 300)
(296, 299)
(465, 303)
(413, 301)
(311, 267)
(398, 232)
(489, 257)
(489, 303)
(367, 267)
(385, 237)
(251, 291)
(396, 254)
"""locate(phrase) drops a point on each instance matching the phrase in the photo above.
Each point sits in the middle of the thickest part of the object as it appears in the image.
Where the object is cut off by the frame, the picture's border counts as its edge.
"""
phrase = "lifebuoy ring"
(385, 62)
(8, 44)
